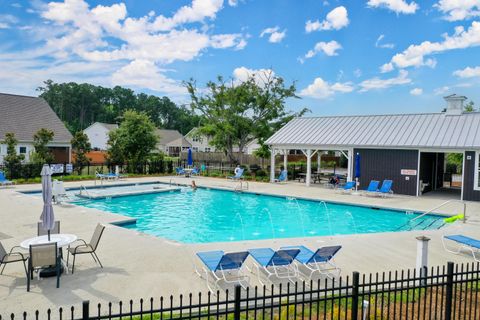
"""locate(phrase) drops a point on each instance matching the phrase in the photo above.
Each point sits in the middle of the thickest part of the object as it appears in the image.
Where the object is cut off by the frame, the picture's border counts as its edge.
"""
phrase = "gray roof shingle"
(24, 116)
(428, 130)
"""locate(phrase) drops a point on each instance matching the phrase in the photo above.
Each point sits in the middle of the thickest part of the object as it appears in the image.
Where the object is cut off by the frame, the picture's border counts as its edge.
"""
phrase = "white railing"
(442, 205)
(82, 187)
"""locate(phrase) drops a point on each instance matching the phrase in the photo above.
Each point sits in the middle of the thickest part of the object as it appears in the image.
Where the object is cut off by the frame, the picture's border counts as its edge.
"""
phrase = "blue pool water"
(208, 215)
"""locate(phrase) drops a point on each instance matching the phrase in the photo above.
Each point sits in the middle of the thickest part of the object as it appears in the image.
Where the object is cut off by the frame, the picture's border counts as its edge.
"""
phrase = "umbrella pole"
(48, 232)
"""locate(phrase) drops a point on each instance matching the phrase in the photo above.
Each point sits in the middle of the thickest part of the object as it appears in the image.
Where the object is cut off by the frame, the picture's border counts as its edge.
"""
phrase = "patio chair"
(11, 257)
(86, 248)
(282, 177)
(195, 172)
(470, 244)
(4, 181)
(275, 263)
(43, 256)
(238, 175)
(320, 261)
(180, 171)
(372, 187)
(42, 232)
(223, 266)
(58, 191)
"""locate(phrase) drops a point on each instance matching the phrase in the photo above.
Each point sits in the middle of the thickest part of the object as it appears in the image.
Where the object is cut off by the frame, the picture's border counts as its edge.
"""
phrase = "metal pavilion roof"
(429, 130)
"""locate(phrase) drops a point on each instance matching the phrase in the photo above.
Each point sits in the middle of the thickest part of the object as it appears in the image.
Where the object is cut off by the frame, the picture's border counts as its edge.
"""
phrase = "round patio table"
(62, 240)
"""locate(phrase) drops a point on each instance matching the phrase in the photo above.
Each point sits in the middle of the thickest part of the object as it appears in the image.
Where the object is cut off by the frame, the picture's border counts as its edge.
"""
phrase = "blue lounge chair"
(223, 266)
(386, 188)
(4, 181)
(238, 175)
(349, 186)
(195, 172)
(275, 263)
(180, 171)
(282, 177)
(320, 261)
(372, 187)
(470, 244)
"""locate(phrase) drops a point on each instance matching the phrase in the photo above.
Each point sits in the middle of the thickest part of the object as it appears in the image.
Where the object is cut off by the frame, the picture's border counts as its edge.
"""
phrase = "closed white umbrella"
(47, 217)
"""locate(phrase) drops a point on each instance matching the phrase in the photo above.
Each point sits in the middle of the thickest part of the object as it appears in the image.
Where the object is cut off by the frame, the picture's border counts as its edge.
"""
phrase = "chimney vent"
(454, 104)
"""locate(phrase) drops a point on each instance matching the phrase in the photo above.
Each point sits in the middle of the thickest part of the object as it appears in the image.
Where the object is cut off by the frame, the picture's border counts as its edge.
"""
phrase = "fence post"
(449, 292)
(236, 306)
(355, 294)
(85, 310)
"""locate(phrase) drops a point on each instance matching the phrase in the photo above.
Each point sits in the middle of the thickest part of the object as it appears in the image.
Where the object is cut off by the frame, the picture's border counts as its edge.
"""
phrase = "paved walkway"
(138, 266)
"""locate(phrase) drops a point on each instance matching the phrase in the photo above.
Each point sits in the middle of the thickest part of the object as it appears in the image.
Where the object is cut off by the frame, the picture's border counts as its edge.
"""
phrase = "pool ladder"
(240, 187)
(83, 188)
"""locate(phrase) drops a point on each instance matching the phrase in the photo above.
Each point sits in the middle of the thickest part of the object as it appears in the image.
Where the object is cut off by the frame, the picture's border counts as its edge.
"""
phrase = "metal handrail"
(443, 204)
(86, 191)
(240, 187)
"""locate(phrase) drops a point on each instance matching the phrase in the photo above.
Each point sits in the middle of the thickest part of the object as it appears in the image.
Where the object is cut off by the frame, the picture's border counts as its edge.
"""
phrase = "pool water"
(210, 215)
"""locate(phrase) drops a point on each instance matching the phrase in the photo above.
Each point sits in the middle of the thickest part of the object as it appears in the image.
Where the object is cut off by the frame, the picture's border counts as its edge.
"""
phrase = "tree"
(234, 114)
(81, 146)
(134, 140)
(470, 107)
(42, 153)
(12, 160)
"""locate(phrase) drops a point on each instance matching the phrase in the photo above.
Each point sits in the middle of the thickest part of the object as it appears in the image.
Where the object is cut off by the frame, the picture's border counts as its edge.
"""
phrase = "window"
(195, 149)
(207, 149)
(196, 139)
(23, 150)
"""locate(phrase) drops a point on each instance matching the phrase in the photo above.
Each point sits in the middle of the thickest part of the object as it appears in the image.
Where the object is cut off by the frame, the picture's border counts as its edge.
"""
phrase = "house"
(24, 116)
(410, 149)
(171, 142)
(199, 142)
(252, 146)
(98, 134)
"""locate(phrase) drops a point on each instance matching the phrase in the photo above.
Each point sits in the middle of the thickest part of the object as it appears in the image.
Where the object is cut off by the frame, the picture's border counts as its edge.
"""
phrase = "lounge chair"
(4, 181)
(238, 175)
(41, 231)
(282, 177)
(348, 187)
(372, 188)
(87, 248)
(275, 263)
(11, 257)
(195, 172)
(320, 261)
(223, 266)
(42, 256)
(386, 188)
(58, 192)
(471, 244)
(179, 171)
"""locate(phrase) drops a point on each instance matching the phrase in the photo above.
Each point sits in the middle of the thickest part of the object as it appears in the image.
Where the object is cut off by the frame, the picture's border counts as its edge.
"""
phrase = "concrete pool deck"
(138, 266)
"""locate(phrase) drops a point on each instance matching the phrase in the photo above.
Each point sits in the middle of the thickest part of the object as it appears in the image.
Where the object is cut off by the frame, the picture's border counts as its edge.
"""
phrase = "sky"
(345, 57)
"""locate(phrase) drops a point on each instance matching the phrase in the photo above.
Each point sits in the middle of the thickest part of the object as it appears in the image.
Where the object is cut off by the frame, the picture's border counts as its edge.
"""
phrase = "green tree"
(234, 114)
(81, 146)
(42, 153)
(134, 140)
(114, 151)
(470, 107)
(12, 160)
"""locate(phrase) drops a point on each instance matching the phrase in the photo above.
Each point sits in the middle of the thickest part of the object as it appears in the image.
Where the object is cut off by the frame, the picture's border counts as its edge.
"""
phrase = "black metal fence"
(447, 292)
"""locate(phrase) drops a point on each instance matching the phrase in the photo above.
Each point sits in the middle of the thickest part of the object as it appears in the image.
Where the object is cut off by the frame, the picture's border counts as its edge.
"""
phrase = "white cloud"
(328, 48)
(383, 45)
(468, 72)
(233, 3)
(7, 20)
(261, 76)
(398, 6)
(276, 36)
(377, 83)
(441, 91)
(455, 10)
(357, 73)
(416, 91)
(321, 89)
(145, 74)
(414, 55)
(335, 20)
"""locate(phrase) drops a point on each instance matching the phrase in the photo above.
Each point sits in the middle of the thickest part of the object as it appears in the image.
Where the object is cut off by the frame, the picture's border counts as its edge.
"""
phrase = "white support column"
(319, 159)
(272, 165)
(70, 154)
(285, 161)
(309, 168)
(350, 158)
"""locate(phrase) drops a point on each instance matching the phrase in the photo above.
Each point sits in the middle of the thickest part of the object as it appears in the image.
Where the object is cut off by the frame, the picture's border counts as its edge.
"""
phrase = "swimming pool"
(211, 215)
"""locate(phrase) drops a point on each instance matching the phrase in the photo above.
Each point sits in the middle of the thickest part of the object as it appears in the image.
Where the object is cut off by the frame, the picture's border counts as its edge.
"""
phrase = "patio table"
(62, 240)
